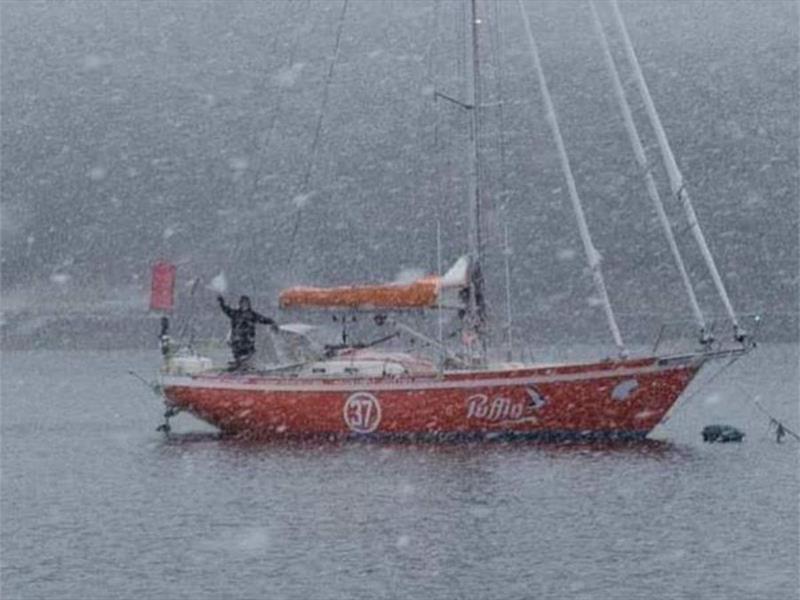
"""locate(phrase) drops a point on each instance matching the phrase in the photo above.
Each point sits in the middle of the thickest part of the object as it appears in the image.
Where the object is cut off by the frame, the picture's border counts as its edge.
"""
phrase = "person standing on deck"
(243, 331)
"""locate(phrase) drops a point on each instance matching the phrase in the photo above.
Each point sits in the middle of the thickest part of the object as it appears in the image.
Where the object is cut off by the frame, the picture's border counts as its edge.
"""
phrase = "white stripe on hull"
(410, 385)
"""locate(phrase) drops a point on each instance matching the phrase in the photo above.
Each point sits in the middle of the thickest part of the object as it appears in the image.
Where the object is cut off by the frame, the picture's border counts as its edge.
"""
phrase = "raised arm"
(225, 308)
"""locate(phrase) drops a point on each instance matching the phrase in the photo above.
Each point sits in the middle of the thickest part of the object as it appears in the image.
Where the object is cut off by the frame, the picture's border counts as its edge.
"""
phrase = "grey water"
(96, 504)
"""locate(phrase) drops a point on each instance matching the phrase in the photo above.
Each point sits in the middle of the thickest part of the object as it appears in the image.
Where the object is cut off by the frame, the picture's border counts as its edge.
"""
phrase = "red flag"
(162, 288)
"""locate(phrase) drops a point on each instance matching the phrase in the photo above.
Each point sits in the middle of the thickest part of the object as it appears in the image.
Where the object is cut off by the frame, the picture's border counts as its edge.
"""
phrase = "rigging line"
(432, 46)
(280, 223)
(499, 56)
(592, 255)
(713, 378)
(773, 420)
(450, 182)
(655, 255)
(641, 159)
(433, 75)
(648, 258)
(676, 178)
(318, 129)
(460, 21)
(267, 139)
(264, 142)
(488, 174)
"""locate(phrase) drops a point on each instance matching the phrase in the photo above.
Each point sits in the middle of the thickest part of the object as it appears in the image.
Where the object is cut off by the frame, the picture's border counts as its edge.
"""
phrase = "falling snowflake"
(97, 173)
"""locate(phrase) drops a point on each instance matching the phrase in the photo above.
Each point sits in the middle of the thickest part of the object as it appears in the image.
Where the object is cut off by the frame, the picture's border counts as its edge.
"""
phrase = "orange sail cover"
(422, 293)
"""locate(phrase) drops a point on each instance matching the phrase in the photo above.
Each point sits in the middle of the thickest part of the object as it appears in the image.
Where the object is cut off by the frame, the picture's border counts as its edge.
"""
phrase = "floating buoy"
(721, 433)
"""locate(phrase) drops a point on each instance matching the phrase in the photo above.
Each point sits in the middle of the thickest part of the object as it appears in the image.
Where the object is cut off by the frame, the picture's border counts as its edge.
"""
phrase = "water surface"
(96, 504)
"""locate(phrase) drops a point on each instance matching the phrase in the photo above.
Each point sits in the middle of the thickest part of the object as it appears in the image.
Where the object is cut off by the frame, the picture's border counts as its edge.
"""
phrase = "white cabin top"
(368, 363)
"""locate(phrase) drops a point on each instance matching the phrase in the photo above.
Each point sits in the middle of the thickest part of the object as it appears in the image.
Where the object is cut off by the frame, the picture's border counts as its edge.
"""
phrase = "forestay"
(592, 255)
(641, 159)
(675, 176)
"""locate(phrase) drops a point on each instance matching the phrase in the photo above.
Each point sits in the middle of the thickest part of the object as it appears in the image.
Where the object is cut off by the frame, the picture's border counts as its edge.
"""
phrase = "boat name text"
(499, 408)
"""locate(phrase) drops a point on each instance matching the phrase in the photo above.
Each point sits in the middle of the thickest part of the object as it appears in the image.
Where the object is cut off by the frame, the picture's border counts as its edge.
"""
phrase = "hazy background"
(191, 131)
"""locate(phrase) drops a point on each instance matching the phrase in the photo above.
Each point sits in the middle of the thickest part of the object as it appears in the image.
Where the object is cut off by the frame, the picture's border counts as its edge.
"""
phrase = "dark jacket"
(243, 327)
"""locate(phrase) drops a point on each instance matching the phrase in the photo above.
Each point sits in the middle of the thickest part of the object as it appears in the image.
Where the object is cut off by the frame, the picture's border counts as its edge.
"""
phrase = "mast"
(473, 94)
(476, 310)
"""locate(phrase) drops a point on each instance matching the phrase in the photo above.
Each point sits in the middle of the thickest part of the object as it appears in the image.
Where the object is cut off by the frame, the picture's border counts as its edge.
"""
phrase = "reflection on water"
(444, 446)
(95, 503)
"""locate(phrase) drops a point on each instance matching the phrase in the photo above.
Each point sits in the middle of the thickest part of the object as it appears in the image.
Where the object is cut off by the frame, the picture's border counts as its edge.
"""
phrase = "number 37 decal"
(362, 412)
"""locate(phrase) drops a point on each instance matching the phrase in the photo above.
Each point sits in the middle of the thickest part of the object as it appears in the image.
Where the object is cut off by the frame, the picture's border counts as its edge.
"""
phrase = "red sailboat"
(397, 395)
(362, 391)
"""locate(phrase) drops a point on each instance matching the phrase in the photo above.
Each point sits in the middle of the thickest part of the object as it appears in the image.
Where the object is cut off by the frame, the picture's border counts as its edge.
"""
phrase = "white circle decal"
(362, 412)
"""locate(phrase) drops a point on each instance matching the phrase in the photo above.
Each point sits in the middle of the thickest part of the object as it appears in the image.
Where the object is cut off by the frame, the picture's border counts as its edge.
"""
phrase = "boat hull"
(615, 400)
